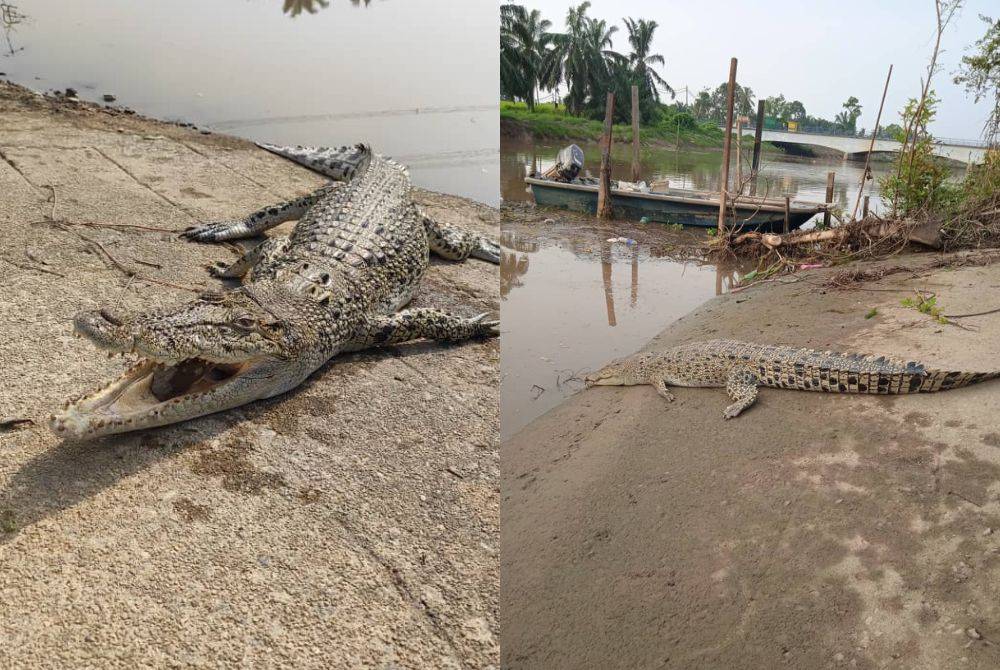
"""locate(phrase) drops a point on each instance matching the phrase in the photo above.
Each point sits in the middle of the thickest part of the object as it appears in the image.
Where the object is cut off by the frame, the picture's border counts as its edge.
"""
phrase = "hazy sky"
(818, 51)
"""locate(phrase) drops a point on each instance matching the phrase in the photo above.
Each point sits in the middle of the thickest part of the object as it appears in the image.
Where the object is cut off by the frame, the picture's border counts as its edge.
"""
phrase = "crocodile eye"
(245, 322)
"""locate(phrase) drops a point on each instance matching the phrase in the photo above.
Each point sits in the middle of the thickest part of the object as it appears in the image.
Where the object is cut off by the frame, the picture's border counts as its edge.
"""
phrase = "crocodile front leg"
(255, 261)
(423, 322)
(741, 384)
(661, 388)
(256, 223)
(456, 244)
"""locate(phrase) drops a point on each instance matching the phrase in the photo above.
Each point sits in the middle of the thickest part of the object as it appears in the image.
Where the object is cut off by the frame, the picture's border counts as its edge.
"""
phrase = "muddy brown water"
(341, 74)
(572, 300)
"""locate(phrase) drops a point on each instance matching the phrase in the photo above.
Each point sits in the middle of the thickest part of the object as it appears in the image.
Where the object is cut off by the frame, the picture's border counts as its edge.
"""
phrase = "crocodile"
(742, 367)
(336, 284)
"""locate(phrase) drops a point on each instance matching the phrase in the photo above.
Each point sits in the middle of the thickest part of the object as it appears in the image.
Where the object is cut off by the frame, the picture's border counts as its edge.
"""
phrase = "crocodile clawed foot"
(487, 250)
(218, 269)
(732, 411)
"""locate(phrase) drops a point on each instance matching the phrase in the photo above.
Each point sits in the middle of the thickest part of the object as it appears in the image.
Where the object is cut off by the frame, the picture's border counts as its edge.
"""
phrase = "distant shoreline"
(548, 123)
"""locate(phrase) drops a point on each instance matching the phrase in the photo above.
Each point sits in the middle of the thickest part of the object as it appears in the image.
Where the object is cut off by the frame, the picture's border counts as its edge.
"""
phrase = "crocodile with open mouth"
(355, 257)
(742, 367)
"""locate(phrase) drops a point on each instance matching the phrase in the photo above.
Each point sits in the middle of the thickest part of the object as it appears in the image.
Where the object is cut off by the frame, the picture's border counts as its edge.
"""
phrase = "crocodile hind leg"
(256, 223)
(456, 244)
(423, 322)
(255, 261)
(742, 388)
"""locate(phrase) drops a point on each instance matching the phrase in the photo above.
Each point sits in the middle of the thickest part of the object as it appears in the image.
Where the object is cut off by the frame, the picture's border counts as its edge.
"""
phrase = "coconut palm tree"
(640, 37)
(524, 40)
(580, 58)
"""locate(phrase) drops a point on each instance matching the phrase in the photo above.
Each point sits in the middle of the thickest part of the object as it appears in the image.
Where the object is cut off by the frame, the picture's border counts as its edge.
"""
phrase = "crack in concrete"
(145, 185)
(233, 170)
(402, 589)
(16, 169)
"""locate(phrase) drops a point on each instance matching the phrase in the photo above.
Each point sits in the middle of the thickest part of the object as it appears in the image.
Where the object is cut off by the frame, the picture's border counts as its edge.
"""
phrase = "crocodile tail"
(942, 380)
(339, 164)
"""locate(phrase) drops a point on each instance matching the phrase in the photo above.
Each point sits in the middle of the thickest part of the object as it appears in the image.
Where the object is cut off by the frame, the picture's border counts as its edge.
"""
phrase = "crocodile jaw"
(592, 380)
(145, 397)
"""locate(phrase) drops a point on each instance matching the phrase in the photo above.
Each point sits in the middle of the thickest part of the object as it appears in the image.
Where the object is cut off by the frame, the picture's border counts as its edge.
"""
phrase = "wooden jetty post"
(604, 189)
(738, 184)
(635, 133)
(727, 146)
(755, 162)
(864, 211)
(871, 146)
(788, 214)
(830, 176)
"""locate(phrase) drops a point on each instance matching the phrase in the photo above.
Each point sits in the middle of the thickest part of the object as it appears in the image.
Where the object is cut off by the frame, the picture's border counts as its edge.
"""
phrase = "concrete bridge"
(964, 151)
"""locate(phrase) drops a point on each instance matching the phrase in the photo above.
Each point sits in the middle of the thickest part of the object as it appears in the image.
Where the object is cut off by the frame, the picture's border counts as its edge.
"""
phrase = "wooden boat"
(672, 205)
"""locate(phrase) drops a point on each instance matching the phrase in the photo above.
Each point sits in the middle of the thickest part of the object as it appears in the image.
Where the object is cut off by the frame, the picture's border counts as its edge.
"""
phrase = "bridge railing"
(805, 130)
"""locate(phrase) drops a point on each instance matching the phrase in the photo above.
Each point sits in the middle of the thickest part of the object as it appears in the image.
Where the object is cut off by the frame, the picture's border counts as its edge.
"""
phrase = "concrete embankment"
(350, 523)
(814, 531)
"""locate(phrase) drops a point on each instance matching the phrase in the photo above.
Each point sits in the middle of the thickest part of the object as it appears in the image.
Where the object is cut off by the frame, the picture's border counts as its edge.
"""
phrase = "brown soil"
(814, 531)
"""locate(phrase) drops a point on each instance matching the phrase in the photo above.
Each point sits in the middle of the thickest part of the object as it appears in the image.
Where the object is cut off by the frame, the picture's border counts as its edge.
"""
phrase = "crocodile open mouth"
(149, 394)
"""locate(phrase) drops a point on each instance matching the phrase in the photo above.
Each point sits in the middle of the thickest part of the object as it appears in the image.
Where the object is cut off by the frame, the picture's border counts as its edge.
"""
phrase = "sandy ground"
(350, 523)
(814, 531)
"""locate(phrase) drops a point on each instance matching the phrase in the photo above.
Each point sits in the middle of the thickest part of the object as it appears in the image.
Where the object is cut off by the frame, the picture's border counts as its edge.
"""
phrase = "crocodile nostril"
(111, 318)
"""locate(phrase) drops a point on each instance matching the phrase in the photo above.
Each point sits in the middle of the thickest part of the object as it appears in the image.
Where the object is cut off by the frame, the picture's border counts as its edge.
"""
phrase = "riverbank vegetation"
(923, 205)
(547, 121)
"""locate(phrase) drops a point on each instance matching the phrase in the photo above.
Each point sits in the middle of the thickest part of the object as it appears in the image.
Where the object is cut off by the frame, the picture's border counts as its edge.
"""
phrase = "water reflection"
(593, 298)
(609, 294)
(10, 18)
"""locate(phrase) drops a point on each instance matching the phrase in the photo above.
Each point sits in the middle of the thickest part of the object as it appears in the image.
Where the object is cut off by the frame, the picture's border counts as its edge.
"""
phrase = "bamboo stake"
(871, 146)
(727, 146)
(788, 214)
(635, 134)
(604, 190)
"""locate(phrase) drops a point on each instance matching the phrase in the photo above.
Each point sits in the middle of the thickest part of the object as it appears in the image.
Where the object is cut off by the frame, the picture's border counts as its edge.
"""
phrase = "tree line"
(534, 58)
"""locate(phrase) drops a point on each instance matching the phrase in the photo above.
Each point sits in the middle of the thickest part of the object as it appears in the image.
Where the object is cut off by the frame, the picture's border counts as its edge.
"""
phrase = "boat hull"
(634, 207)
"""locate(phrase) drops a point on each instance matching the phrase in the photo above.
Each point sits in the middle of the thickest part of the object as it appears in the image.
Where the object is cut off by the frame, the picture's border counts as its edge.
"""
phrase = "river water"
(413, 77)
(572, 300)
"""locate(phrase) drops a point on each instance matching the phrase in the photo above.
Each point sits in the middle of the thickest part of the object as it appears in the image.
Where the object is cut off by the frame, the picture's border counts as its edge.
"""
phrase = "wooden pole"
(864, 212)
(871, 145)
(788, 214)
(830, 176)
(604, 190)
(739, 157)
(635, 133)
(755, 165)
(727, 146)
